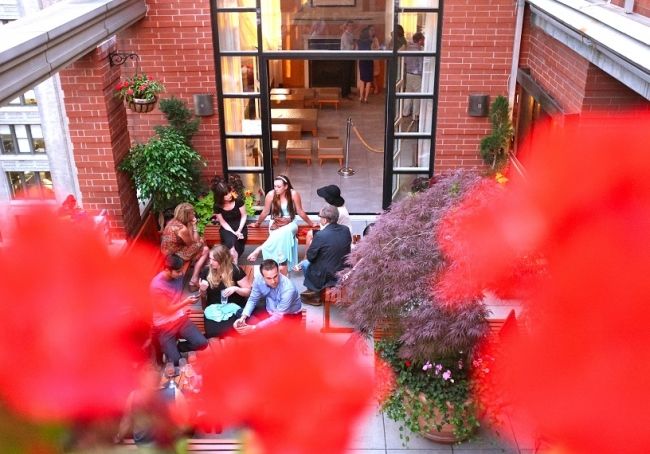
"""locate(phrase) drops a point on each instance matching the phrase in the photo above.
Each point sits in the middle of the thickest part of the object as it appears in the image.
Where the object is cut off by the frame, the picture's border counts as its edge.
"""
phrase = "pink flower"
(427, 366)
(446, 375)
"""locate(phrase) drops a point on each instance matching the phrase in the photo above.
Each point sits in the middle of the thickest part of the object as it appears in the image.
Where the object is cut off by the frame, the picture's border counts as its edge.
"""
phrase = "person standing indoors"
(366, 74)
(170, 319)
(347, 72)
(326, 254)
(224, 290)
(182, 238)
(231, 214)
(282, 203)
(282, 299)
(414, 67)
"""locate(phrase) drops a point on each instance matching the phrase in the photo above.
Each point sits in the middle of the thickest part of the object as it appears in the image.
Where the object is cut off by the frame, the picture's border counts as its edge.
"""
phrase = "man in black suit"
(325, 255)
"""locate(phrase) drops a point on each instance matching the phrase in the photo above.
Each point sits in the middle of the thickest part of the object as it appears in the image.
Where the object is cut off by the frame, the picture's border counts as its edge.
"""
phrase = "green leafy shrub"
(162, 170)
(494, 148)
(204, 209)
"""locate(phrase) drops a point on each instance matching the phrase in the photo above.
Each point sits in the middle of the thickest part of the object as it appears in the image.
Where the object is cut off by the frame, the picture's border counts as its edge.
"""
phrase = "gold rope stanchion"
(365, 144)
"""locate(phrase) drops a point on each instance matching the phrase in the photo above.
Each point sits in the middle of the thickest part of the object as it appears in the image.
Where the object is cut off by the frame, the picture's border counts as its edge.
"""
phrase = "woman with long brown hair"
(181, 237)
(282, 203)
(224, 290)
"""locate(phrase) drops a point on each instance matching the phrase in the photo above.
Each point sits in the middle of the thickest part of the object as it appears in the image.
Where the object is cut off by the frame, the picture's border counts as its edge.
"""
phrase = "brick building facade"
(176, 43)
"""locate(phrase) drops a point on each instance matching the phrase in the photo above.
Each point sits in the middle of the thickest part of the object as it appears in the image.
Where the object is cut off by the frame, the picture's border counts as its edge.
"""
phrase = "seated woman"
(222, 278)
(231, 214)
(181, 237)
(283, 203)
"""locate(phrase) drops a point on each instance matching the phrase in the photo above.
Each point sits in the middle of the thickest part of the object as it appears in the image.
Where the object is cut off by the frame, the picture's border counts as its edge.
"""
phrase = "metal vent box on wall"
(478, 105)
(203, 105)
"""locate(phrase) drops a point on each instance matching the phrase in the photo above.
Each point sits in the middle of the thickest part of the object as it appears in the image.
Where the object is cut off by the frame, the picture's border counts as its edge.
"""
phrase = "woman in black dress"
(231, 214)
(222, 278)
(365, 66)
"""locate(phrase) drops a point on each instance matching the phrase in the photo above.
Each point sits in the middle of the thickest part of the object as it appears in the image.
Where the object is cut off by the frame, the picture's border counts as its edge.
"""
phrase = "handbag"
(279, 222)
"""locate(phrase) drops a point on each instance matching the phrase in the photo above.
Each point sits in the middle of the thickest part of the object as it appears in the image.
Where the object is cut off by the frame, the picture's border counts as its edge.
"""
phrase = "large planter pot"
(428, 428)
(142, 105)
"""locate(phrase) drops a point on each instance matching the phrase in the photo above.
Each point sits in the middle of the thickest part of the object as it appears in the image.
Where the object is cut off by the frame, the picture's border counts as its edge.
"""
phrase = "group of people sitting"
(231, 303)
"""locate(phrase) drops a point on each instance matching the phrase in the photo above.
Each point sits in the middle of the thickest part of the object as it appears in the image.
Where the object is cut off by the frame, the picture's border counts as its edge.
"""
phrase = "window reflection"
(411, 153)
(245, 152)
(237, 31)
(406, 184)
(237, 110)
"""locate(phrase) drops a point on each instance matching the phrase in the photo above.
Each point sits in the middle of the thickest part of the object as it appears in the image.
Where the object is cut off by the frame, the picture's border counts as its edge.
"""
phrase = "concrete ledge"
(35, 47)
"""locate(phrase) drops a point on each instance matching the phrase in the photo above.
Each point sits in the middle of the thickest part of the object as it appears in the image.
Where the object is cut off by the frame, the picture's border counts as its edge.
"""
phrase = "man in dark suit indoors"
(325, 255)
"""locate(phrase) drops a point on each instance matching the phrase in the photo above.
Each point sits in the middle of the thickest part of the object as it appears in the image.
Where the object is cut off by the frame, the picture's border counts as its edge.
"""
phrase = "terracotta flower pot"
(142, 105)
(428, 428)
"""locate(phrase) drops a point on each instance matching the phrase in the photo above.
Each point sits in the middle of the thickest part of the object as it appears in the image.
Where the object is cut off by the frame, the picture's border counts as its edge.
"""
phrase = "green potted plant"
(494, 147)
(139, 92)
(166, 169)
(428, 342)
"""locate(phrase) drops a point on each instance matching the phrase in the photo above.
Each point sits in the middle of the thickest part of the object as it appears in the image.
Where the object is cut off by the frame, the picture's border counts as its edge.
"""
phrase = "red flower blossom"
(407, 363)
(579, 378)
(297, 391)
(75, 319)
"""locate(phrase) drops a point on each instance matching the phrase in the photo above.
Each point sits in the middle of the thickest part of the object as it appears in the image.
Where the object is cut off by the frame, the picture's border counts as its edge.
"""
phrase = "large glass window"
(299, 59)
(26, 99)
(237, 31)
(21, 139)
(31, 185)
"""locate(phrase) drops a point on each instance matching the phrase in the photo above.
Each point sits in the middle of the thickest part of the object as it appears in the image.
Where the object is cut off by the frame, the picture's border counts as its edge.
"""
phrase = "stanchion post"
(346, 170)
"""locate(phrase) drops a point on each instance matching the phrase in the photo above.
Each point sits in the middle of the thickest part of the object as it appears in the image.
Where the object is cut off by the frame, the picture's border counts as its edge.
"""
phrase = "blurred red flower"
(578, 378)
(75, 319)
(299, 392)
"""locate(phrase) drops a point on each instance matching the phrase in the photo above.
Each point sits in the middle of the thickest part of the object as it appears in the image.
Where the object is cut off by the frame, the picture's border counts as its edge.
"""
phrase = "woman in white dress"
(283, 203)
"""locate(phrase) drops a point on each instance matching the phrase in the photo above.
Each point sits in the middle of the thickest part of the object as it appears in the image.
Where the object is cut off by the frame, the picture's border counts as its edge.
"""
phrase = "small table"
(330, 148)
(298, 149)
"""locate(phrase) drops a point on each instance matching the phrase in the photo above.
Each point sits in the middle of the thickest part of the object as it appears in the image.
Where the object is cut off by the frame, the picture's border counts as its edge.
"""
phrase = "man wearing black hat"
(325, 255)
(332, 195)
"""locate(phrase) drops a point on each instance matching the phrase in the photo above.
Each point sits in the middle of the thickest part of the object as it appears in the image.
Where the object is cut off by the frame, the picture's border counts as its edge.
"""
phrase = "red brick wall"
(640, 6)
(575, 83)
(559, 70)
(174, 42)
(476, 50)
(97, 125)
(604, 93)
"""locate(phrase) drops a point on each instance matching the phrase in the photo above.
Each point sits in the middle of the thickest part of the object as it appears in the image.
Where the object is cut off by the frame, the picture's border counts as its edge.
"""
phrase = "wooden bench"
(283, 132)
(331, 296)
(330, 148)
(298, 149)
(203, 445)
(196, 317)
(256, 235)
(328, 95)
(306, 118)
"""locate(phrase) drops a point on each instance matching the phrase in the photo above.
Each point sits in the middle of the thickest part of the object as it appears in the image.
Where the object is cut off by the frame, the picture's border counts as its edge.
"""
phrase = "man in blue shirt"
(282, 298)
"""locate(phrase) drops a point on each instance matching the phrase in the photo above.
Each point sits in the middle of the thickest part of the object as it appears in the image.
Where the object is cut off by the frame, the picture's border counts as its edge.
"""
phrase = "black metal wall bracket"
(119, 58)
